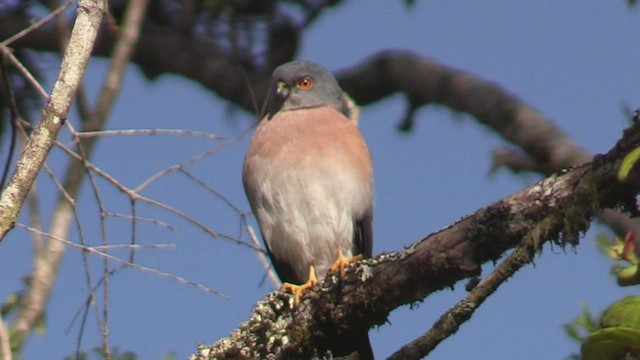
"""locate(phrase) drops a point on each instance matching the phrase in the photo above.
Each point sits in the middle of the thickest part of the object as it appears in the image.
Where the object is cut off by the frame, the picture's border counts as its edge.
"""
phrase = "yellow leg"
(344, 261)
(297, 290)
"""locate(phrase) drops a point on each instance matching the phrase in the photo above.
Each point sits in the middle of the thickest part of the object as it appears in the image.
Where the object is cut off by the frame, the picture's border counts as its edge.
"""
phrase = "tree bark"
(167, 51)
(558, 209)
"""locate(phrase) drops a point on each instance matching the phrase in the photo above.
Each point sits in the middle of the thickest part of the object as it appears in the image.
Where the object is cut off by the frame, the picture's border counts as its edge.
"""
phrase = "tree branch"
(89, 16)
(162, 51)
(46, 264)
(430, 82)
(451, 320)
(558, 209)
(167, 51)
(5, 345)
(54, 114)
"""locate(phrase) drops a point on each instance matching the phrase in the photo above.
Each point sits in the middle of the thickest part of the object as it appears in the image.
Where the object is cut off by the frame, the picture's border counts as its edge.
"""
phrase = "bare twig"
(43, 137)
(54, 115)
(38, 23)
(134, 228)
(124, 47)
(24, 71)
(33, 204)
(451, 320)
(14, 121)
(115, 259)
(156, 222)
(211, 190)
(263, 259)
(5, 341)
(193, 160)
(134, 132)
(135, 195)
(134, 246)
(76, 218)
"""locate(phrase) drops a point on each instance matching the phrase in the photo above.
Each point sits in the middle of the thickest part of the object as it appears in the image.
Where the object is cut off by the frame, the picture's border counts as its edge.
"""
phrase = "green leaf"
(614, 343)
(582, 325)
(628, 276)
(170, 356)
(627, 164)
(11, 303)
(625, 312)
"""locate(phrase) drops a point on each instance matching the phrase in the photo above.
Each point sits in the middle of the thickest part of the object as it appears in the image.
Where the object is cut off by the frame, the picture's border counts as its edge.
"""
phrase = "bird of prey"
(309, 179)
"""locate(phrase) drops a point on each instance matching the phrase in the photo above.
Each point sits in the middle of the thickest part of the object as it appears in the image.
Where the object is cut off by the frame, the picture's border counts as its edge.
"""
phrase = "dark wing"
(363, 235)
(283, 269)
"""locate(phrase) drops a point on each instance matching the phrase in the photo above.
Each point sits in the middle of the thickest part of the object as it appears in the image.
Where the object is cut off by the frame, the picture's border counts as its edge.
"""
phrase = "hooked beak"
(282, 90)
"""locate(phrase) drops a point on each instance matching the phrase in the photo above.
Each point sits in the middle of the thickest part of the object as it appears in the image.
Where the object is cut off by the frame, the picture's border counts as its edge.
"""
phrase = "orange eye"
(305, 83)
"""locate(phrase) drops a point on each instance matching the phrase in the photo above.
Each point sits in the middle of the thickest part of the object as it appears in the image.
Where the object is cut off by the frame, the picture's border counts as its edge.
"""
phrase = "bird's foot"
(297, 290)
(344, 261)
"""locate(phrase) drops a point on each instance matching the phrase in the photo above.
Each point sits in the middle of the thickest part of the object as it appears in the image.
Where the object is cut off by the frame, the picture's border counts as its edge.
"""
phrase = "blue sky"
(577, 62)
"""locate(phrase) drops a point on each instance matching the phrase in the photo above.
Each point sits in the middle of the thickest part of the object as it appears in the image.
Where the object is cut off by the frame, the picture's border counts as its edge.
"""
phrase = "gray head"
(303, 84)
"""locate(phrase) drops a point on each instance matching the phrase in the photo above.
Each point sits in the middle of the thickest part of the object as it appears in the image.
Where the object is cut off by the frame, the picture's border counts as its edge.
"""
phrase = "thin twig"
(211, 190)
(152, 221)
(104, 322)
(134, 229)
(193, 160)
(134, 246)
(84, 311)
(137, 132)
(76, 217)
(134, 195)
(123, 50)
(36, 24)
(43, 137)
(451, 320)
(14, 117)
(33, 204)
(156, 272)
(25, 72)
(263, 259)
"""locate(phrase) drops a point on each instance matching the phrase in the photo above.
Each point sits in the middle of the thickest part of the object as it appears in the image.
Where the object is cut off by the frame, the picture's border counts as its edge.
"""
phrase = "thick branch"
(54, 115)
(47, 261)
(161, 51)
(558, 208)
(430, 82)
(89, 16)
(451, 320)
(382, 75)
(166, 51)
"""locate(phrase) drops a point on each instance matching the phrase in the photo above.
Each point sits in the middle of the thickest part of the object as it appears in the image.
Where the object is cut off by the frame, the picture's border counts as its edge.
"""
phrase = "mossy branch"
(558, 208)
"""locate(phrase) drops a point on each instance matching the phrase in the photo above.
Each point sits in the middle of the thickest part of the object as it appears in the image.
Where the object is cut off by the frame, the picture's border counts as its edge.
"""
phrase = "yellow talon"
(344, 261)
(297, 290)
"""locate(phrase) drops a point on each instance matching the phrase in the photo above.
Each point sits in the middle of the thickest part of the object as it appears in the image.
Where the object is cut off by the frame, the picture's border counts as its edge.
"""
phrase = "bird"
(308, 176)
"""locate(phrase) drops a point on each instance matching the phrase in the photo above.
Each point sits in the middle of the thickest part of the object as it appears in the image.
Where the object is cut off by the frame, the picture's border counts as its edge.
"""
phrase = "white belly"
(305, 221)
